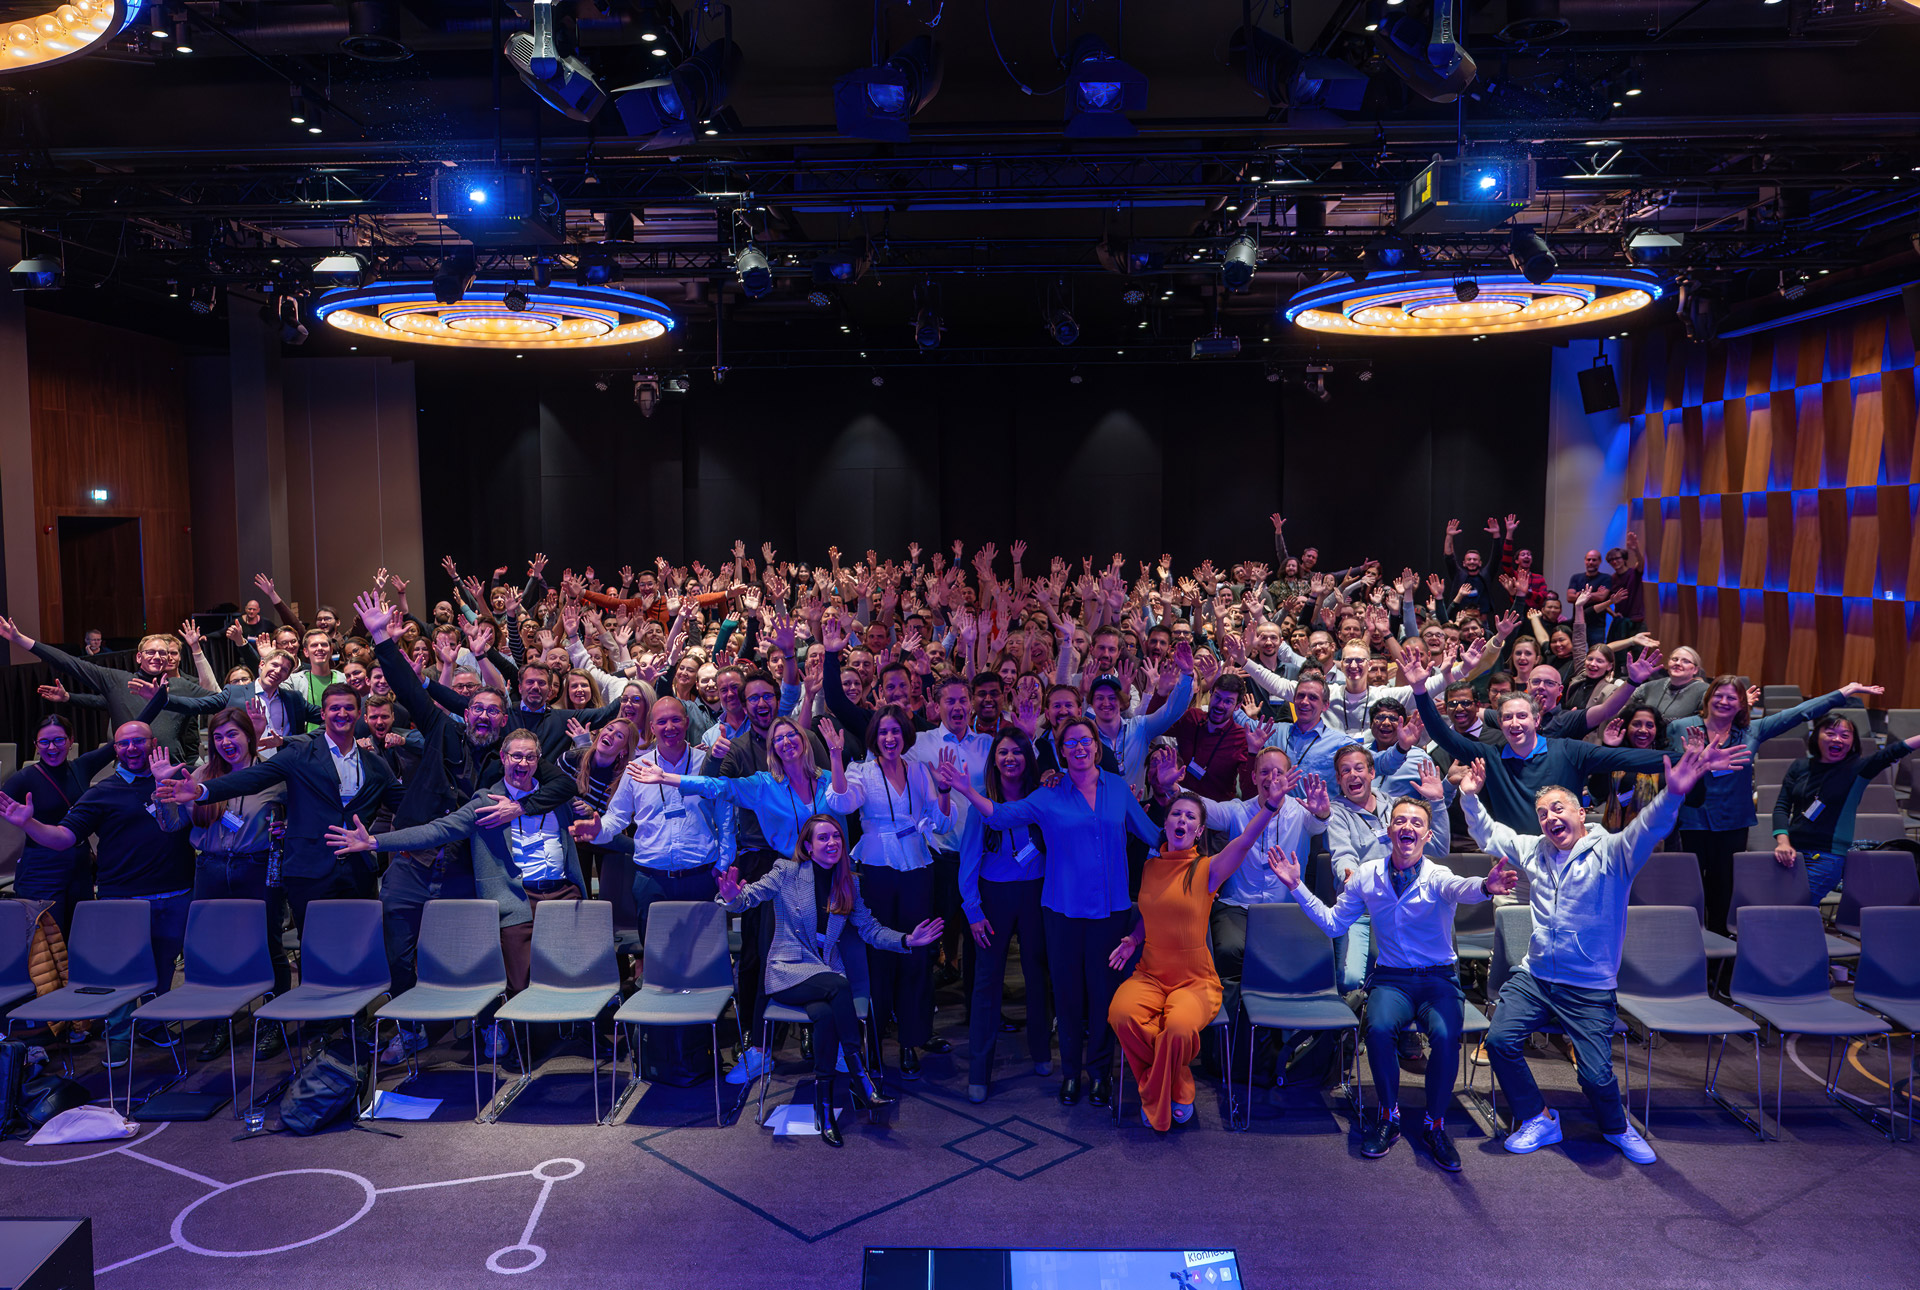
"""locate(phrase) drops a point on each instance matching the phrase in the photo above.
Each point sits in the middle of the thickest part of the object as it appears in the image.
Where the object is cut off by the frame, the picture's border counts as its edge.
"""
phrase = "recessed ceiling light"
(657, 52)
(711, 131)
(649, 36)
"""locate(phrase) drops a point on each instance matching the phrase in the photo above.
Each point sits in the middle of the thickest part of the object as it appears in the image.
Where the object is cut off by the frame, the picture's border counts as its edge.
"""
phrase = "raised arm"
(1234, 854)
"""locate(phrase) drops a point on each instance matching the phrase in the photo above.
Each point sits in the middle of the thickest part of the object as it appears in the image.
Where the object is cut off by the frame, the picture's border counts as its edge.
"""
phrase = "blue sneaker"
(752, 1065)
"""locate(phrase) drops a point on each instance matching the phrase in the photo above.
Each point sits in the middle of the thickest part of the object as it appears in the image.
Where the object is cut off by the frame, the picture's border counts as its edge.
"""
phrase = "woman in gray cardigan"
(814, 896)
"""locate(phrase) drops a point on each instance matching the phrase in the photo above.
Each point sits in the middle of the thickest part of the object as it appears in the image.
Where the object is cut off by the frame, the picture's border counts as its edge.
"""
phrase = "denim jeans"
(1585, 1015)
(1351, 950)
(1432, 997)
(1823, 872)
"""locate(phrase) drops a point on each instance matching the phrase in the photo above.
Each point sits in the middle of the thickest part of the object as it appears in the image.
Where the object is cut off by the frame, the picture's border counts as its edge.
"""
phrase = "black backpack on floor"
(326, 1091)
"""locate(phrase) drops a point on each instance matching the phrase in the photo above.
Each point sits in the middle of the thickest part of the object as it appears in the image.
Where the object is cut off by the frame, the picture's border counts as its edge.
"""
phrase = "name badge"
(1814, 808)
(232, 820)
(907, 832)
(1195, 769)
(1026, 855)
(1731, 770)
(675, 813)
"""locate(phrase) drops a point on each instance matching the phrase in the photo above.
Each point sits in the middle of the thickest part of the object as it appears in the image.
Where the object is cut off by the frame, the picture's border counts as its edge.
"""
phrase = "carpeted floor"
(668, 1199)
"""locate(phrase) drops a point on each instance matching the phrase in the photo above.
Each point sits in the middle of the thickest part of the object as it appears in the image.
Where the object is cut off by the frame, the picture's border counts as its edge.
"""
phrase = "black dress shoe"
(1069, 1092)
(1100, 1092)
(268, 1043)
(823, 1111)
(909, 1063)
(1380, 1138)
(806, 1043)
(938, 1045)
(216, 1046)
(1439, 1145)
(1008, 1026)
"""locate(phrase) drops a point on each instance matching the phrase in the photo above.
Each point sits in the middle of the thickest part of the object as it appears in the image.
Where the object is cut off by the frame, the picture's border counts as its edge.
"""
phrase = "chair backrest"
(16, 934)
(1764, 796)
(1873, 879)
(1877, 798)
(1759, 879)
(573, 945)
(1663, 956)
(342, 946)
(460, 945)
(1788, 746)
(1878, 828)
(616, 887)
(1286, 953)
(227, 944)
(1512, 932)
(1477, 917)
(112, 944)
(686, 946)
(1776, 697)
(1903, 723)
(1670, 878)
(1782, 953)
(1889, 953)
(1771, 770)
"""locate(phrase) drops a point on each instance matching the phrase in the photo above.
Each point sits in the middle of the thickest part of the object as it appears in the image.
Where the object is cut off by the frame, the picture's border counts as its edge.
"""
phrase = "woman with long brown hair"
(597, 770)
(814, 896)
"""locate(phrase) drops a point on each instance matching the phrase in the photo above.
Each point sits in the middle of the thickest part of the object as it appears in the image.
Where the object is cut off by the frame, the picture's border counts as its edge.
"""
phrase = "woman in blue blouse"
(1085, 818)
(1715, 827)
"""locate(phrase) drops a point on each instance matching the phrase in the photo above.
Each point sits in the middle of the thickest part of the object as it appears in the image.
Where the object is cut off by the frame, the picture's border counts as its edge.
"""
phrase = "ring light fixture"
(66, 31)
(497, 315)
(1428, 304)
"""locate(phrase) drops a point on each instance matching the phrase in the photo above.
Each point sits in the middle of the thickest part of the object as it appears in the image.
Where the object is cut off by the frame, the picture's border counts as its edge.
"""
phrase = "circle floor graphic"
(579, 1167)
(191, 1247)
(539, 1254)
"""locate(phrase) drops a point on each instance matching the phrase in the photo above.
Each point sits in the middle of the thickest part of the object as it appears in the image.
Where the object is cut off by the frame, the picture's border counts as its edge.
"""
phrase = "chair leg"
(1226, 1070)
(766, 1037)
(634, 1048)
(233, 1069)
(1253, 1042)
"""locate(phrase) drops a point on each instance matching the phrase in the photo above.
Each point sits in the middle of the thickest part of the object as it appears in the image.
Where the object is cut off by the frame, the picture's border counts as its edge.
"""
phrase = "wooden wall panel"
(1771, 479)
(109, 411)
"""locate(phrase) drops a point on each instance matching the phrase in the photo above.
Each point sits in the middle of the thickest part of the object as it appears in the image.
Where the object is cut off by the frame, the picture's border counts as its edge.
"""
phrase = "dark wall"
(1189, 460)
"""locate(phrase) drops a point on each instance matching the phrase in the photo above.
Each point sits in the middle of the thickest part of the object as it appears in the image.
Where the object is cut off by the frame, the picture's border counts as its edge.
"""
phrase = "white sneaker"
(1543, 1130)
(1632, 1146)
(752, 1065)
(1182, 1112)
(405, 1043)
(494, 1042)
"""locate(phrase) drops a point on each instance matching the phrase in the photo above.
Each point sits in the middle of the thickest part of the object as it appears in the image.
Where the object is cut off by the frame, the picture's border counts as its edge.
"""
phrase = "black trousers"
(1077, 950)
(756, 943)
(827, 1000)
(902, 984)
(954, 939)
(350, 880)
(653, 885)
(1013, 910)
(1715, 849)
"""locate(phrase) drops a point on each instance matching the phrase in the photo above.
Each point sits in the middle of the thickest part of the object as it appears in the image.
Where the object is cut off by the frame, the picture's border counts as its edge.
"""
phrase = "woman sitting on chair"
(1174, 994)
(813, 895)
(1415, 974)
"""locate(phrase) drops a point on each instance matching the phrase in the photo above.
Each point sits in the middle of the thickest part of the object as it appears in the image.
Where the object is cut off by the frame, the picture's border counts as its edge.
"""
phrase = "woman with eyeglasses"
(56, 779)
(1085, 818)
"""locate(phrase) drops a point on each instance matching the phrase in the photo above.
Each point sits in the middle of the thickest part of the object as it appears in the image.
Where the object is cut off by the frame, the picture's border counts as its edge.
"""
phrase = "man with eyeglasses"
(286, 710)
(177, 732)
(137, 859)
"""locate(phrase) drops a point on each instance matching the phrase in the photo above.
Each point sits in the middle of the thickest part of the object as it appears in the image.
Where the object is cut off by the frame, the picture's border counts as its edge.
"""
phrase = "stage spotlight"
(819, 299)
(1284, 75)
(843, 266)
(159, 25)
(292, 330)
(666, 111)
(1390, 253)
(1531, 256)
(1133, 296)
(1320, 390)
(1646, 246)
(515, 300)
(1272, 373)
(646, 392)
(182, 34)
(1062, 327)
(1428, 56)
(600, 384)
(1238, 262)
(1630, 83)
(877, 102)
(373, 32)
(619, 226)
(596, 268)
(564, 84)
(877, 380)
(203, 299)
(927, 328)
(1099, 89)
(338, 267)
(756, 275)
(452, 278)
(36, 273)
(1466, 290)
(542, 273)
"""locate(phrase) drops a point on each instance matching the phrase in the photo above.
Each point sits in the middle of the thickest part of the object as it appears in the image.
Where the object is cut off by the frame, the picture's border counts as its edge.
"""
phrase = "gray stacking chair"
(1877, 798)
(1778, 698)
(1220, 1023)
(343, 968)
(1663, 986)
(16, 939)
(227, 969)
(109, 965)
(574, 975)
(1770, 771)
(1888, 827)
(1673, 878)
(616, 888)
(686, 979)
(1288, 982)
(1759, 879)
(1874, 879)
(1780, 976)
(1888, 980)
(1472, 924)
(458, 972)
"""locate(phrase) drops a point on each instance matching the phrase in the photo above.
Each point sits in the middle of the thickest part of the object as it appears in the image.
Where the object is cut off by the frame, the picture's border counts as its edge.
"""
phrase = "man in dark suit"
(287, 710)
(330, 779)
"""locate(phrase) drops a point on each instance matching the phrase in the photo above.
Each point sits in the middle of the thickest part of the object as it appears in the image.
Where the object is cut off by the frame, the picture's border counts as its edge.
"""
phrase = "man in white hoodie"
(1580, 876)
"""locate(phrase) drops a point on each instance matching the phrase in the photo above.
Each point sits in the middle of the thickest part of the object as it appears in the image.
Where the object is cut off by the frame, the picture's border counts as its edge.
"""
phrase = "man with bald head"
(1545, 688)
(137, 858)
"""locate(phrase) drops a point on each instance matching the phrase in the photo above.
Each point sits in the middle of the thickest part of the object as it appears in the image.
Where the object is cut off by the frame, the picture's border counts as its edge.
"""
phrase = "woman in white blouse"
(900, 804)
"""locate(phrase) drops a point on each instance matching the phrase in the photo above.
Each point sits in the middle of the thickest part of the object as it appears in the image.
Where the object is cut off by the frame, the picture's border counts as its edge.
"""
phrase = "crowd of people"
(946, 755)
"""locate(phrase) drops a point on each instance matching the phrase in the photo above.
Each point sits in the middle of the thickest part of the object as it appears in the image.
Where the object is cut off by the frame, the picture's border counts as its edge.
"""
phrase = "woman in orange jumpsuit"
(1159, 1012)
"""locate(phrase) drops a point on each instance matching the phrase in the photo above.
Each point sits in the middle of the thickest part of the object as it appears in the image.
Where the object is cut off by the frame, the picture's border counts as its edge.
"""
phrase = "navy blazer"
(300, 713)
(305, 766)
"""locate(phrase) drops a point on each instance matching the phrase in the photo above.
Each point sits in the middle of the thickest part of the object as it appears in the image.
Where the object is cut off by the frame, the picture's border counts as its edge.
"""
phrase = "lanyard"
(686, 765)
(887, 784)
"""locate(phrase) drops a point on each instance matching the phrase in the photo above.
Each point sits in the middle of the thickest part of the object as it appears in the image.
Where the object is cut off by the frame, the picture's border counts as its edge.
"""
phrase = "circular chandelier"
(1429, 303)
(496, 315)
(65, 32)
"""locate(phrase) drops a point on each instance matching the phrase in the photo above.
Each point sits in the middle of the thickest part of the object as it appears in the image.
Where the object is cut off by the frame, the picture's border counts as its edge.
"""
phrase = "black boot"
(806, 1043)
(823, 1111)
(862, 1089)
